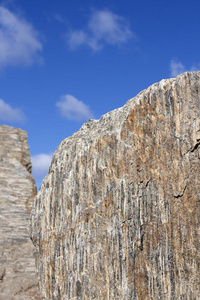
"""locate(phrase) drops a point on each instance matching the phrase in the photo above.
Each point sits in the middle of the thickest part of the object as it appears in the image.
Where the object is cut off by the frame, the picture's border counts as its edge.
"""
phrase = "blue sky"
(63, 62)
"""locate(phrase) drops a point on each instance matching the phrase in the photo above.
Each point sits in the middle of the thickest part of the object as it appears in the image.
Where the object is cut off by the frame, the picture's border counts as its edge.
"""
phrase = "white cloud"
(9, 114)
(40, 164)
(177, 67)
(76, 38)
(74, 109)
(104, 27)
(19, 43)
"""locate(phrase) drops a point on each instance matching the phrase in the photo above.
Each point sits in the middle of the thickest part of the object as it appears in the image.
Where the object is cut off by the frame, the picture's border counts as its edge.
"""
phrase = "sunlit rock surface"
(117, 216)
(17, 189)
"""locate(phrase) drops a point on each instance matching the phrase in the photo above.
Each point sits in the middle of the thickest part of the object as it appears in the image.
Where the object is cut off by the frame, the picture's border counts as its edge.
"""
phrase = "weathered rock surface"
(117, 216)
(17, 189)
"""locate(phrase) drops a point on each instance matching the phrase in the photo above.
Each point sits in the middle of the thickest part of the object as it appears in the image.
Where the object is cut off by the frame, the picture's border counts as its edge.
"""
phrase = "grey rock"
(118, 214)
(18, 280)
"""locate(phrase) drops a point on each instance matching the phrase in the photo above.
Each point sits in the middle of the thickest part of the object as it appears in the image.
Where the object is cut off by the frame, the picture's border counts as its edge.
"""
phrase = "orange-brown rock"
(18, 280)
(118, 215)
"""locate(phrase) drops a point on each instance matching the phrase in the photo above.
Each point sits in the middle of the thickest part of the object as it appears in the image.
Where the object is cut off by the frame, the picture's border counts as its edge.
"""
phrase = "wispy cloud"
(58, 18)
(10, 114)
(104, 27)
(40, 164)
(177, 67)
(74, 109)
(19, 42)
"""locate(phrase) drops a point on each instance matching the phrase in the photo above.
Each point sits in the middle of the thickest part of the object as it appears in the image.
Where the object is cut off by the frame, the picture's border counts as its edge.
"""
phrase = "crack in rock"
(180, 195)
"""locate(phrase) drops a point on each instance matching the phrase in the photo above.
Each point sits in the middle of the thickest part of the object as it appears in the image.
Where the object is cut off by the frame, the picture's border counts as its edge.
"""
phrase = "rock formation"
(17, 189)
(117, 216)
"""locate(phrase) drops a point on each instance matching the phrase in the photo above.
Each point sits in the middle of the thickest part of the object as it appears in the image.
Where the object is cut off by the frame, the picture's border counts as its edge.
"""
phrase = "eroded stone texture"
(117, 216)
(17, 189)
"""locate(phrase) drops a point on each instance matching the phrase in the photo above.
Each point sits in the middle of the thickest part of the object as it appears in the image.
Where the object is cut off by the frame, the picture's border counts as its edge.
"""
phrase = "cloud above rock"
(177, 67)
(103, 28)
(10, 114)
(19, 41)
(74, 109)
(40, 164)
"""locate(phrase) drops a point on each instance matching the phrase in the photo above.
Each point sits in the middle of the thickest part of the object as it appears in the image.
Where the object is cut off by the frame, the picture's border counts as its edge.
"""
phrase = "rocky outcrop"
(17, 189)
(117, 216)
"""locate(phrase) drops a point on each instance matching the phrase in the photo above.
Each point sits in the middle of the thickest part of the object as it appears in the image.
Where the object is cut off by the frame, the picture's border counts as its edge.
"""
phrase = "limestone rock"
(17, 190)
(117, 216)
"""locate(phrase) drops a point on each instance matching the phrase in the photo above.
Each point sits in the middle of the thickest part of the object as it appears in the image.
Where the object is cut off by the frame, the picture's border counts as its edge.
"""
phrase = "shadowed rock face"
(17, 189)
(117, 216)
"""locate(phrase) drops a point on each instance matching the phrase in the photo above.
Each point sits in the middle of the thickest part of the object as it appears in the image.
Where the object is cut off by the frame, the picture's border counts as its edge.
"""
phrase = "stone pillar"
(18, 279)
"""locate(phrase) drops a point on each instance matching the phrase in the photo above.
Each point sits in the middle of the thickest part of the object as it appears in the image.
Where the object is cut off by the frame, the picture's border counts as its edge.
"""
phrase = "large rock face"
(117, 216)
(17, 189)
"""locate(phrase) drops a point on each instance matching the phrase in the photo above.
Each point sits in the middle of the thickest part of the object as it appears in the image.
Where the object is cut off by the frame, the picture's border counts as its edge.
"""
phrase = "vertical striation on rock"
(118, 215)
(17, 190)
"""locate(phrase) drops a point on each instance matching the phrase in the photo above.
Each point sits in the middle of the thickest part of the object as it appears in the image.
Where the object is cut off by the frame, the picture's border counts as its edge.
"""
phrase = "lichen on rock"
(117, 216)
